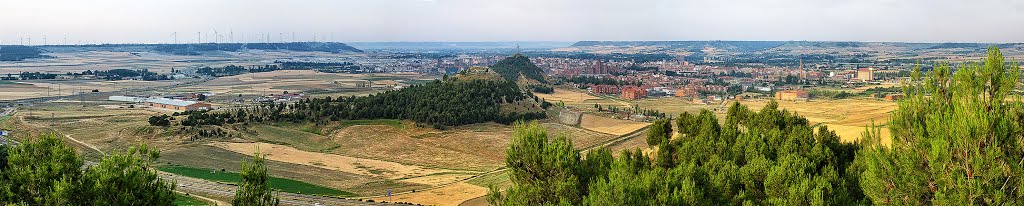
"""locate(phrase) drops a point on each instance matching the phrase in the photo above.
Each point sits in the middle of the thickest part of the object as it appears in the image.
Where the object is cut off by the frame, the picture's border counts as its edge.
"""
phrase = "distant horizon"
(537, 41)
(127, 21)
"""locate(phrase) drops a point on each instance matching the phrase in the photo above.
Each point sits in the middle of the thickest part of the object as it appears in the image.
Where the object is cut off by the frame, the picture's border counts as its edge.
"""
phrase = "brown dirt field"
(610, 126)
(359, 166)
(449, 195)
(567, 96)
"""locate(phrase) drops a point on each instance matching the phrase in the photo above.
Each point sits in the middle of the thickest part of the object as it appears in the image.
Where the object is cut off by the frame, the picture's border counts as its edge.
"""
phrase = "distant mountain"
(511, 68)
(738, 46)
(196, 49)
(443, 46)
(760, 46)
(18, 53)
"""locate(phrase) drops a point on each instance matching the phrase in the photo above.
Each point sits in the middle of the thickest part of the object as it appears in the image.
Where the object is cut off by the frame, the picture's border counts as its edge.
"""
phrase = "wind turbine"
(216, 36)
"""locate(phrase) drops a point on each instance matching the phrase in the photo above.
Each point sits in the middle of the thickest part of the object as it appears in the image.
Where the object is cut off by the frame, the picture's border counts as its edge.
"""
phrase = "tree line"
(438, 104)
(113, 74)
(956, 140)
(231, 70)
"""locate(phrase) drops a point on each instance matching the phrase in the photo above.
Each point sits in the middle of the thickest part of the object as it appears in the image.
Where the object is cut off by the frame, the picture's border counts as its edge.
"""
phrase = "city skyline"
(119, 21)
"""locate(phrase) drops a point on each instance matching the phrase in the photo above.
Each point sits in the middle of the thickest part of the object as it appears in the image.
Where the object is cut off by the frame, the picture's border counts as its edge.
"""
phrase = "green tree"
(128, 178)
(3, 158)
(46, 171)
(254, 190)
(956, 139)
(544, 171)
(659, 131)
(43, 171)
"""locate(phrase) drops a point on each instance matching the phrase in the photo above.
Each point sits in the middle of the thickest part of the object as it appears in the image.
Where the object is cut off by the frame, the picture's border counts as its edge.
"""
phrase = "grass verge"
(183, 200)
(285, 185)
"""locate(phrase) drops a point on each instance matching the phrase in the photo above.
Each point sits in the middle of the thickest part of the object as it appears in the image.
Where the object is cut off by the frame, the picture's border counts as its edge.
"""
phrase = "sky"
(150, 21)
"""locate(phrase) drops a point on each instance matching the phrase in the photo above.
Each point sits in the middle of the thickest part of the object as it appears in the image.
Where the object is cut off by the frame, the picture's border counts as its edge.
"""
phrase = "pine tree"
(956, 140)
(128, 178)
(254, 190)
(44, 171)
(544, 172)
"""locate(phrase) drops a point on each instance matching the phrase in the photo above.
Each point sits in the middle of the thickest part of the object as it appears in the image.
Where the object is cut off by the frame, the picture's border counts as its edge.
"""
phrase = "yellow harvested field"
(438, 179)
(854, 133)
(848, 117)
(360, 166)
(453, 194)
(567, 96)
(609, 125)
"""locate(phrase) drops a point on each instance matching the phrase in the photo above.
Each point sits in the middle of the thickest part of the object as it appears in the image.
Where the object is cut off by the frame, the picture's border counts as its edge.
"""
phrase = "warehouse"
(174, 104)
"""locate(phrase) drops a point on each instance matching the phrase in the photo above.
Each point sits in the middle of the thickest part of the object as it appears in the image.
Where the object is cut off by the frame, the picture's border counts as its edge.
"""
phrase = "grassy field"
(183, 200)
(291, 136)
(389, 122)
(286, 185)
(500, 179)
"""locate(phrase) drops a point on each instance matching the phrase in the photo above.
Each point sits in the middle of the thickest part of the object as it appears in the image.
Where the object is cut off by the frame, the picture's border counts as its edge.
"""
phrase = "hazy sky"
(150, 21)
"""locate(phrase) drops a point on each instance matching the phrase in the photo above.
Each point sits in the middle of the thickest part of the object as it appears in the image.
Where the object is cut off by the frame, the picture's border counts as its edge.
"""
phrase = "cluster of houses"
(693, 90)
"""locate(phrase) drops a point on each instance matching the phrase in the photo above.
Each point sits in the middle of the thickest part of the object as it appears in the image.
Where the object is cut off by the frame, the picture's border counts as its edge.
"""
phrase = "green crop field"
(285, 185)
